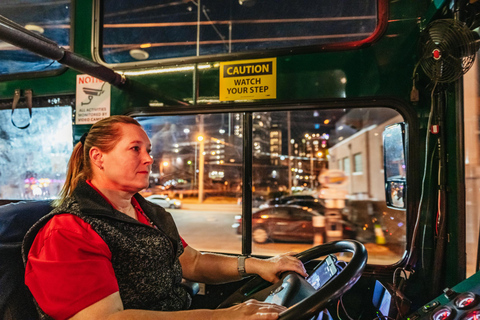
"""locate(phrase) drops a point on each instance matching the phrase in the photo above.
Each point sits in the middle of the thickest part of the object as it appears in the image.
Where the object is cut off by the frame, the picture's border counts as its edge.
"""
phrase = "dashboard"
(460, 302)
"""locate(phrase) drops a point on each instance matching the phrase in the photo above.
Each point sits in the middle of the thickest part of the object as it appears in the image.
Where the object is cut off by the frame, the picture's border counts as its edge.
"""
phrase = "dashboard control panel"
(460, 302)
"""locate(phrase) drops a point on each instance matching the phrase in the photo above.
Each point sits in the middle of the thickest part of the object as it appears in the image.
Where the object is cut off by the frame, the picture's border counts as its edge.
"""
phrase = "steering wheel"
(294, 292)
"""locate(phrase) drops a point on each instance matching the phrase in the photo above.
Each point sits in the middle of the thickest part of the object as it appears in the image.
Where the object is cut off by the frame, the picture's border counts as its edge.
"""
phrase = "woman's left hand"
(271, 269)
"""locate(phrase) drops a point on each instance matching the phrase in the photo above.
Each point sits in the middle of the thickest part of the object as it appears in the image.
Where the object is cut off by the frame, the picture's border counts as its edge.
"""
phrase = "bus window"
(198, 162)
(145, 30)
(300, 170)
(50, 19)
(33, 161)
(198, 166)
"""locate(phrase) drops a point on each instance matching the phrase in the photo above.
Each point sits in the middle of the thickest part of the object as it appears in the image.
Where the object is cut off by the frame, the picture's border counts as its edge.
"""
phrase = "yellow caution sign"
(248, 79)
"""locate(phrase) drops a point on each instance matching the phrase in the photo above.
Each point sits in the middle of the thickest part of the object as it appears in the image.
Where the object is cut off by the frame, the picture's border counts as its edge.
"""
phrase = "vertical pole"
(195, 165)
(195, 70)
(311, 166)
(289, 159)
(230, 37)
(199, 11)
(247, 183)
(201, 164)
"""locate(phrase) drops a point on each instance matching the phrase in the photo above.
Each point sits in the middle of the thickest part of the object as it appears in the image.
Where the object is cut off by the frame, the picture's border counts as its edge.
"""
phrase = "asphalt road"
(208, 227)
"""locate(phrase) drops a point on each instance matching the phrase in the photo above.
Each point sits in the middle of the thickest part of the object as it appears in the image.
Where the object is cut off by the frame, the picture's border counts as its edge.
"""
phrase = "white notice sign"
(92, 99)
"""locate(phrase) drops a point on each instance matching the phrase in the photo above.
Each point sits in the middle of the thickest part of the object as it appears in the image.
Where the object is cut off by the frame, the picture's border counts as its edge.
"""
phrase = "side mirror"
(394, 164)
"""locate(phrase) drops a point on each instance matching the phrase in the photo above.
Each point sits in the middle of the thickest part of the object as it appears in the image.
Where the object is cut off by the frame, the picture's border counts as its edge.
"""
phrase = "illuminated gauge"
(443, 313)
(474, 315)
(465, 300)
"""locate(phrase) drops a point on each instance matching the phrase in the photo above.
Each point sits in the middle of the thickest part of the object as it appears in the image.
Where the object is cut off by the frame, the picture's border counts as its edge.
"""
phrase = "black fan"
(448, 50)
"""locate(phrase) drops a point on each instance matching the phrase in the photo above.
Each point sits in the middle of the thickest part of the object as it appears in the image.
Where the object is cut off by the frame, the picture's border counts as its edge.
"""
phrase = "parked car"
(375, 222)
(269, 203)
(289, 223)
(285, 200)
(165, 201)
(314, 204)
(282, 222)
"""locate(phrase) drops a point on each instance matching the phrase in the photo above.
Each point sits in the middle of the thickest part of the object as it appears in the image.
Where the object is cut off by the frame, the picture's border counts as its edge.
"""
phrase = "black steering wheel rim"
(310, 306)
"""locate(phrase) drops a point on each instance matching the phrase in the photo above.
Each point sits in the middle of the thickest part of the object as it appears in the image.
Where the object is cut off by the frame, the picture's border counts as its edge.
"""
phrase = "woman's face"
(127, 166)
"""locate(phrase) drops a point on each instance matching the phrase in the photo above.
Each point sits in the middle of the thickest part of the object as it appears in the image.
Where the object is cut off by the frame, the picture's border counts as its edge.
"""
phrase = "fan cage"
(456, 46)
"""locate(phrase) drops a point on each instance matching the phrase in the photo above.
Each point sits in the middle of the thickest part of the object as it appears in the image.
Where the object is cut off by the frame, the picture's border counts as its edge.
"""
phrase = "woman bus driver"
(106, 252)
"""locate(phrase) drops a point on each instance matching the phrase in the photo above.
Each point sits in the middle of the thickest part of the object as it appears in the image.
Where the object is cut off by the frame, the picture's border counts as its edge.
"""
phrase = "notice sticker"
(248, 79)
(92, 99)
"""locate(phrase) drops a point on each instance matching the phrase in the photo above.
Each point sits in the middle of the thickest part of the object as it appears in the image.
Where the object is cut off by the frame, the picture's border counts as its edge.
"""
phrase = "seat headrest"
(17, 218)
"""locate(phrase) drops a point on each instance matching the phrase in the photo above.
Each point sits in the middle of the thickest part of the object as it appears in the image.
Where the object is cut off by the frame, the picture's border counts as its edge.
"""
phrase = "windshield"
(307, 165)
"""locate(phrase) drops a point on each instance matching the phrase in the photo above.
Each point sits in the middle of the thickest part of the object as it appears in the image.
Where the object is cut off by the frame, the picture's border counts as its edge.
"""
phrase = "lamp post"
(201, 168)
(195, 167)
(312, 171)
(289, 159)
(163, 165)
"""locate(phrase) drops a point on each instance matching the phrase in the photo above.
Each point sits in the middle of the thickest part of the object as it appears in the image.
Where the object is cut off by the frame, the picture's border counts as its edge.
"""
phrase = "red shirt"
(69, 266)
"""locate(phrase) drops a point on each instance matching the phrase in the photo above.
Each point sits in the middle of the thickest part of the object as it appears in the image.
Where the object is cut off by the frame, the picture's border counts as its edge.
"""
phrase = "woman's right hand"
(254, 310)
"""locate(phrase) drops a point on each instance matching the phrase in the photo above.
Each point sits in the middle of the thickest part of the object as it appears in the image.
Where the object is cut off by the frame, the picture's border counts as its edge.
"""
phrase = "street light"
(163, 165)
(199, 139)
(201, 167)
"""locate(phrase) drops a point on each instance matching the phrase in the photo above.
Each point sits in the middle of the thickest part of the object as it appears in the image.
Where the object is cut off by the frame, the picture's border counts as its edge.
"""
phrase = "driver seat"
(16, 301)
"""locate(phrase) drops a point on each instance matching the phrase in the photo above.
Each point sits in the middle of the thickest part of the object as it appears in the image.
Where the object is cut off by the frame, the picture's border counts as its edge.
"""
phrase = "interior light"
(166, 70)
(138, 54)
(34, 27)
(247, 3)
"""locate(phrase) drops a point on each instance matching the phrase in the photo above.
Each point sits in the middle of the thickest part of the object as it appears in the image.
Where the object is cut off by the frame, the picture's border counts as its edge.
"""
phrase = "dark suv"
(288, 223)
(280, 222)
(286, 199)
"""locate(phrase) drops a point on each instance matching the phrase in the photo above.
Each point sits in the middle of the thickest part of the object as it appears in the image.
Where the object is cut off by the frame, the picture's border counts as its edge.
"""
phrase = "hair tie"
(84, 136)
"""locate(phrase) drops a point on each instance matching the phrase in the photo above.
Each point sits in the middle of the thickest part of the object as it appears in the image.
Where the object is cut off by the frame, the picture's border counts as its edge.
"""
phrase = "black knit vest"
(144, 259)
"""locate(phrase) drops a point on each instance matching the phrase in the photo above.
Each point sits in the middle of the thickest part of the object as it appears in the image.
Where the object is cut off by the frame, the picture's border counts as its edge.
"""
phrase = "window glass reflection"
(33, 161)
